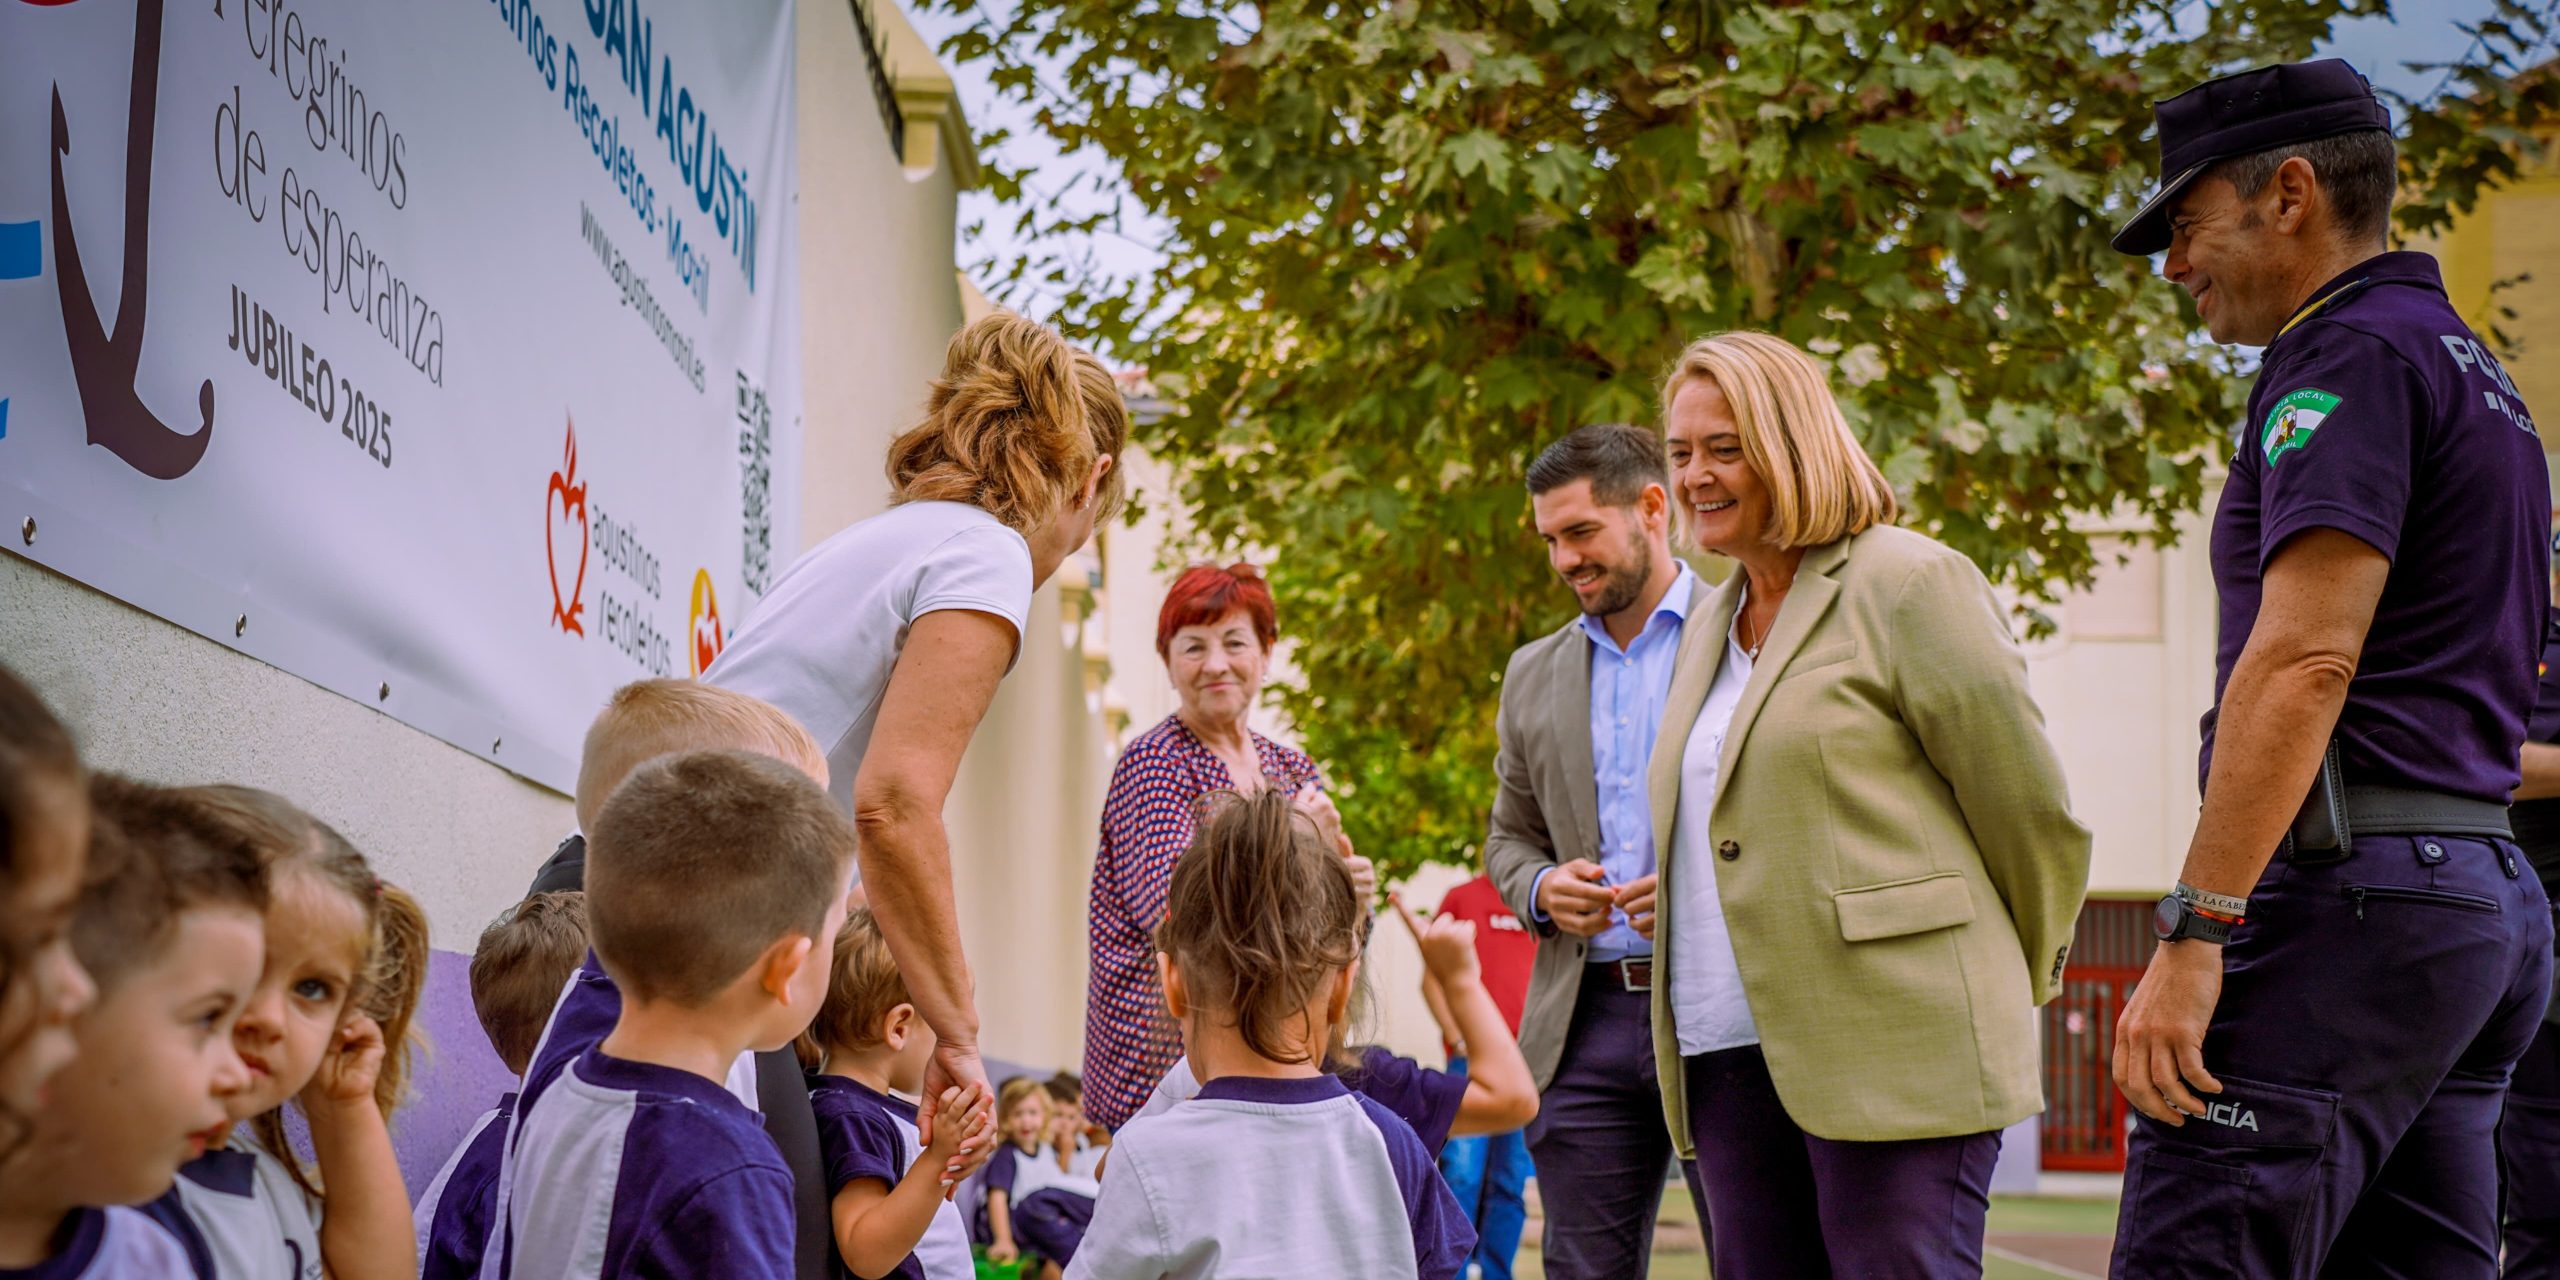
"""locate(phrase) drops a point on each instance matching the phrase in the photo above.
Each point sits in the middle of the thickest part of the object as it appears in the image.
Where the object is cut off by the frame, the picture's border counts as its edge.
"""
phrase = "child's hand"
(1448, 945)
(954, 1131)
(1002, 1253)
(348, 1069)
(948, 1126)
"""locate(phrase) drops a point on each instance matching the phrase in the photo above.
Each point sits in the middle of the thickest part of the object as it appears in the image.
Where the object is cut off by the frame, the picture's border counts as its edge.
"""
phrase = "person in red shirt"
(1489, 1174)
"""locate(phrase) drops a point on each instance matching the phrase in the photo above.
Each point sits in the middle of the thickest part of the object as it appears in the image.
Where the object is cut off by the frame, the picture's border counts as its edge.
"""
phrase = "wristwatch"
(2176, 918)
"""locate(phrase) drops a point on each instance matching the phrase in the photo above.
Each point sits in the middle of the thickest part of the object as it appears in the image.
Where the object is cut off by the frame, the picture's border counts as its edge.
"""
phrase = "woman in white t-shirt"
(887, 640)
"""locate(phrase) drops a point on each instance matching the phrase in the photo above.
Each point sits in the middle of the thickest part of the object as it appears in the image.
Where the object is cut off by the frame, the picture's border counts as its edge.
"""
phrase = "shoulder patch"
(2290, 424)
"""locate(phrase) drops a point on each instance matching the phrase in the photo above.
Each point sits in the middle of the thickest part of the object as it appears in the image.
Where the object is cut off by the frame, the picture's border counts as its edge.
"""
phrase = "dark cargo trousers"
(2371, 1013)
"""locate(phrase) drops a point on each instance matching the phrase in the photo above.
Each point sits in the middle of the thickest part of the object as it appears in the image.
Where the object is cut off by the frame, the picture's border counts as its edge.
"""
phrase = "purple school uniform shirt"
(859, 1137)
(628, 1168)
(1442, 1234)
(466, 1209)
(1425, 1099)
(2377, 413)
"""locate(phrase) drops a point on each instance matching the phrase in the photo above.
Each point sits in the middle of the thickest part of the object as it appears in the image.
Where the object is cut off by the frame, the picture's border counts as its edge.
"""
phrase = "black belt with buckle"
(1632, 974)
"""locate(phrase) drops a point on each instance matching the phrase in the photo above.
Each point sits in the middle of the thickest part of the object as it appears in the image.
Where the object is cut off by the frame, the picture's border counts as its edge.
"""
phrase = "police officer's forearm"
(2282, 703)
(2541, 766)
(2268, 740)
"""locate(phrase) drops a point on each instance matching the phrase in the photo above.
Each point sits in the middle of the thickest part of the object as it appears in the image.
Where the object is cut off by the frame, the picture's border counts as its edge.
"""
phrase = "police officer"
(2529, 1136)
(2355, 955)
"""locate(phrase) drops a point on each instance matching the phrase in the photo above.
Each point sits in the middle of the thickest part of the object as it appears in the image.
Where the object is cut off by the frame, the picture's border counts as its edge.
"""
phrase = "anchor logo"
(104, 364)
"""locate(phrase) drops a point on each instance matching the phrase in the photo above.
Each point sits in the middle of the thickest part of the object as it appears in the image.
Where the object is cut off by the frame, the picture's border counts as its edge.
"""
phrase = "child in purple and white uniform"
(884, 1180)
(169, 925)
(326, 1032)
(716, 882)
(517, 973)
(1035, 1205)
(1496, 1095)
(1274, 1168)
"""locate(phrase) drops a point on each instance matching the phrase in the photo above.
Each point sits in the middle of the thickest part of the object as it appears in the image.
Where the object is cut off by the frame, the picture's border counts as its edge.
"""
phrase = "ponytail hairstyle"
(40, 775)
(1013, 425)
(1107, 419)
(395, 972)
(1260, 917)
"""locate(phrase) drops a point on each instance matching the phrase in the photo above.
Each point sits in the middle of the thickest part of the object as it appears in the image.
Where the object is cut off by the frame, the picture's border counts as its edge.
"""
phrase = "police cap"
(2239, 114)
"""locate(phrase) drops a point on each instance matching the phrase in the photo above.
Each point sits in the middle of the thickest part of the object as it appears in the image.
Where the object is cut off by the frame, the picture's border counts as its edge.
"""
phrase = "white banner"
(444, 353)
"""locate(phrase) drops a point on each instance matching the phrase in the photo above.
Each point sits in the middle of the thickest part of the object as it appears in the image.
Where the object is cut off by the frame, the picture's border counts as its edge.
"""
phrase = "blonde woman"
(887, 640)
(1869, 867)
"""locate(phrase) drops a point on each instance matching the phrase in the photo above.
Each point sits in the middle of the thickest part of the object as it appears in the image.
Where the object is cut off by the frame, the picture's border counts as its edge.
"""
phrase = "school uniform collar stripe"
(231, 1171)
(601, 1070)
(1276, 1092)
(895, 1105)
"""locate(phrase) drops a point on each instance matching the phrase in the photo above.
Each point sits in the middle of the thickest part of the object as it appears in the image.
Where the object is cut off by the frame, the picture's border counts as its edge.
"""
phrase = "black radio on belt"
(2320, 833)
(2324, 831)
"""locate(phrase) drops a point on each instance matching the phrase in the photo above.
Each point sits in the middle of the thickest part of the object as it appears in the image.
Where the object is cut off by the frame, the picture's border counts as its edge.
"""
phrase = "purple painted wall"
(457, 1078)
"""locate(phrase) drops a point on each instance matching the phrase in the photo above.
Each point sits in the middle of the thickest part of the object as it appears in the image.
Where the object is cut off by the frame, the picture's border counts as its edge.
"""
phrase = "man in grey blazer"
(1571, 843)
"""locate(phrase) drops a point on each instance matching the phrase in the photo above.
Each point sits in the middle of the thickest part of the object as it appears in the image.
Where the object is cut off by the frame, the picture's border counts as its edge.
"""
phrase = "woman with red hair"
(1215, 634)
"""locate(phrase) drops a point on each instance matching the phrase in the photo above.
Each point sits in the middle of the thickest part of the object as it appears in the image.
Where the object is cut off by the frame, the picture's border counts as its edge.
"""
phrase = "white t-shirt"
(1255, 1179)
(1708, 1010)
(257, 1223)
(113, 1244)
(822, 643)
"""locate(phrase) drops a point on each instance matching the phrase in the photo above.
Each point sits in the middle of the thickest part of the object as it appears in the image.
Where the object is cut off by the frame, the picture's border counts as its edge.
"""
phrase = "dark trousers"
(1051, 1224)
(1791, 1206)
(2371, 1011)
(2529, 1148)
(1599, 1142)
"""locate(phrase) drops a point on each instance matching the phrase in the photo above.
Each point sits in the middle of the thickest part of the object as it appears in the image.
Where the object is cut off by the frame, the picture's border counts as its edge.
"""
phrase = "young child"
(1275, 1168)
(170, 928)
(1034, 1205)
(715, 886)
(884, 1181)
(1496, 1094)
(44, 844)
(517, 972)
(327, 1029)
(1079, 1146)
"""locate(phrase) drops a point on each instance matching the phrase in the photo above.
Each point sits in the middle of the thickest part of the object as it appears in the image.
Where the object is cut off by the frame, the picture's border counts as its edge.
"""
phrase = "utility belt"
(2336, 812)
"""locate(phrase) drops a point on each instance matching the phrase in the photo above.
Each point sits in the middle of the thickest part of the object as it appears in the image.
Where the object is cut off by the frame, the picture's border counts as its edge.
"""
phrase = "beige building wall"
(2123, 682)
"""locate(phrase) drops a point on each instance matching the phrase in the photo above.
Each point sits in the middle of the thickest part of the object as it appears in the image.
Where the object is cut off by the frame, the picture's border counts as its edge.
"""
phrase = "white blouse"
(1707, 1006)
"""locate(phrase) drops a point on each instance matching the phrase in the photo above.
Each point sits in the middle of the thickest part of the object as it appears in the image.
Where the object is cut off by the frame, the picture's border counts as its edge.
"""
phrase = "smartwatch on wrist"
(2176, 919)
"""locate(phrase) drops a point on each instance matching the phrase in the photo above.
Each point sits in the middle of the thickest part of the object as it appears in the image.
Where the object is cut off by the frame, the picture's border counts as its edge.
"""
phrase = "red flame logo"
(568, 494)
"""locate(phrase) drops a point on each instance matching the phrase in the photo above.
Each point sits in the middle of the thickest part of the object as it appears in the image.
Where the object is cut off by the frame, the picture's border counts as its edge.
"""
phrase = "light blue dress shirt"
(1628, 688)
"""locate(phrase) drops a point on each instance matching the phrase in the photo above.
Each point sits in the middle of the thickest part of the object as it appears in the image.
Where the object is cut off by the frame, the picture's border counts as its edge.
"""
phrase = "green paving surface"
(2021, 1215)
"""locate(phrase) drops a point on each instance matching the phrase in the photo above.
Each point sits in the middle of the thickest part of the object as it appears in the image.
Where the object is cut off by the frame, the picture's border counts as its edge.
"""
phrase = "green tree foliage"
(1408, 243)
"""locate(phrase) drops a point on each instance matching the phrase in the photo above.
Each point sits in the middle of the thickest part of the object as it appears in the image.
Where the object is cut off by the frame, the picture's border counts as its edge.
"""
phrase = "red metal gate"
(2085, 1118)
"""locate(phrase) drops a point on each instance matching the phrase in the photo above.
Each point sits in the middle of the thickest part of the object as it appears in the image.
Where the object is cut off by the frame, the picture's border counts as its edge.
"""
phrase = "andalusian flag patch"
(2293, 420)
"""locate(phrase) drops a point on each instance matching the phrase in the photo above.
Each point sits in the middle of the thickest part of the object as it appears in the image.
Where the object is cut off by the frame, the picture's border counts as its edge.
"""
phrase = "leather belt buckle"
(1635, 975)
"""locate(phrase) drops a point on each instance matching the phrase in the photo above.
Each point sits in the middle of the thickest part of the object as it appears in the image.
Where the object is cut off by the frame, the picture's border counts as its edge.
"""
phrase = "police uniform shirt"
(2377, 413)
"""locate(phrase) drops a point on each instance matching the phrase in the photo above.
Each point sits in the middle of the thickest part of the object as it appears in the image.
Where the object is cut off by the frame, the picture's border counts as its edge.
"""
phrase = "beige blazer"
(1895, 854)
(1546, 811)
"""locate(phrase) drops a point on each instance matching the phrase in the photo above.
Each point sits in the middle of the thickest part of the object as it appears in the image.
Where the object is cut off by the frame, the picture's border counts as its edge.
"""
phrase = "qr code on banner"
(755, 485)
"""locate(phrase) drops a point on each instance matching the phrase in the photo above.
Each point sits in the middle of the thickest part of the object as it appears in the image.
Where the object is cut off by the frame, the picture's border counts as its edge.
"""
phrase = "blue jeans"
(1489, 1176)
